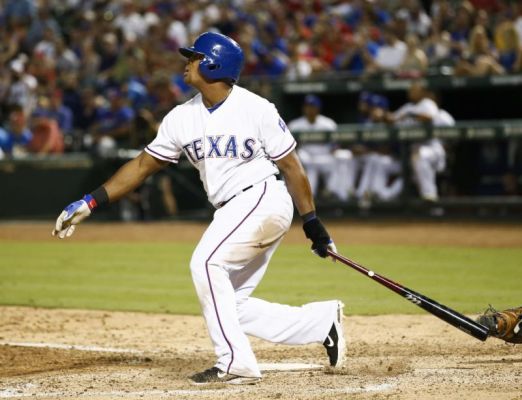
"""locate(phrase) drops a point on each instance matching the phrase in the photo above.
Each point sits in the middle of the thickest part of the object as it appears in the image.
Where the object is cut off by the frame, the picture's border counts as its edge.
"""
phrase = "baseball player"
(239, 143)
(378, 165)
(362, 161)
(317, 158)
(428, 157)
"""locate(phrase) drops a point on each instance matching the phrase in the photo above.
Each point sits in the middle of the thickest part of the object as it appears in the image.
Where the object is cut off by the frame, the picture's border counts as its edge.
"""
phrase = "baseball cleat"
(334, 343)
(215, 375)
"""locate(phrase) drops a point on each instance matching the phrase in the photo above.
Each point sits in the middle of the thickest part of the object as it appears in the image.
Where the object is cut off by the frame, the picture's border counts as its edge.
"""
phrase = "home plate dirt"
(72, 354)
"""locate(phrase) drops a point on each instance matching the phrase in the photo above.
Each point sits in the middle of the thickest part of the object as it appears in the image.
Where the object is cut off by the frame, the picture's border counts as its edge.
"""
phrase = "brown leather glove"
(505, 325)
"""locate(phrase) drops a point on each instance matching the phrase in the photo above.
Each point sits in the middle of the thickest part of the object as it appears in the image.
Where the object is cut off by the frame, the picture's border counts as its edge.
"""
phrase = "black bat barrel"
(448, 315)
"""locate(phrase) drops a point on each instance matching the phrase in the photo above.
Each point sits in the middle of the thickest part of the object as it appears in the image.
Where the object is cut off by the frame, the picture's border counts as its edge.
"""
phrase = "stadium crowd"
(100, 74)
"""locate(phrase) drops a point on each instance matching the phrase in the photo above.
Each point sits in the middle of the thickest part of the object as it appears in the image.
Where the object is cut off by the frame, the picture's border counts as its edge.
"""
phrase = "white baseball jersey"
(429, 156)
(233, 147)
(317, 158)
(321, 124)
(425, 107)
(443, 118)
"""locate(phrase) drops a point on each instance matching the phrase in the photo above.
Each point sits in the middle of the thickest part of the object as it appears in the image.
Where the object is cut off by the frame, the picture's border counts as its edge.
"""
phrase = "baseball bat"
(448, 315)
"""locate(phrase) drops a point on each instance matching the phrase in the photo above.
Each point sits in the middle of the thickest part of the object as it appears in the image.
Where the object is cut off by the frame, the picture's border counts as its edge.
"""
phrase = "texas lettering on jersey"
(219, 146)
(231, 149)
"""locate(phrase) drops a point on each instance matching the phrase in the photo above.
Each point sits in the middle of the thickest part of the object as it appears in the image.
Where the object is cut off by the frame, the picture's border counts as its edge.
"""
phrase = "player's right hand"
(72, 215)
(321, 241)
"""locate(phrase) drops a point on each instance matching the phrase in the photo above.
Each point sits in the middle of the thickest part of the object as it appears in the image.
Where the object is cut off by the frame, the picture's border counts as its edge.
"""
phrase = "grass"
(155, 277)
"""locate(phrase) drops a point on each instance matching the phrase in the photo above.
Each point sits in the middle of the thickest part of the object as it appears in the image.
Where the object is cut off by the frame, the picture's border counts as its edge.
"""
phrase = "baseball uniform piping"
(210, 283)
(165, 158)
(284, 152)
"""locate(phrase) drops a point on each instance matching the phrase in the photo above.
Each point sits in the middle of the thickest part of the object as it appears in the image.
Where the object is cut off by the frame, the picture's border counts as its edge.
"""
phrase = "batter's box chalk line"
(30, 389)
(15, 393)
(267, 367)
(62, 346)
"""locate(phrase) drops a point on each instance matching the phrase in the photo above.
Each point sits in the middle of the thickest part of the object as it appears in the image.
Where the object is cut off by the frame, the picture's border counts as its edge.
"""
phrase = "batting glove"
(72, 215)
(321, 241)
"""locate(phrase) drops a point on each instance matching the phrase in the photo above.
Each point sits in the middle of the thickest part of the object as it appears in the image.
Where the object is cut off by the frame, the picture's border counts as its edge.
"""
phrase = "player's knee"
(197, 266)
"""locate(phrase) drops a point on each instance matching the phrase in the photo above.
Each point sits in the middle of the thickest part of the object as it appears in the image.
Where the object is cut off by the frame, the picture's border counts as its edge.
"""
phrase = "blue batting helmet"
(312, 100)
(222, 56)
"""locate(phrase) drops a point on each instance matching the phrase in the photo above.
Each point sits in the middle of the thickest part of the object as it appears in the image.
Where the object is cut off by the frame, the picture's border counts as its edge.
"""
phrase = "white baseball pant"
(228, 264)
(427, 159)
(374, 179)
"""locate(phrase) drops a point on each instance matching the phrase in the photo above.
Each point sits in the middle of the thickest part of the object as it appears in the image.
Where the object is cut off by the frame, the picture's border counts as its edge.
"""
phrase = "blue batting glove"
(72, 215)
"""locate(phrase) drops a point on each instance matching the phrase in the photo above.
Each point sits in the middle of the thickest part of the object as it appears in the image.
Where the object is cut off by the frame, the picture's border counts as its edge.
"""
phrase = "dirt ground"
(77, 354)
(344, 232)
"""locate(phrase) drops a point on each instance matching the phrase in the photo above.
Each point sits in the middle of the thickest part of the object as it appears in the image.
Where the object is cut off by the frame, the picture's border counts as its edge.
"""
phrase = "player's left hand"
(321, 241)
(72, 215)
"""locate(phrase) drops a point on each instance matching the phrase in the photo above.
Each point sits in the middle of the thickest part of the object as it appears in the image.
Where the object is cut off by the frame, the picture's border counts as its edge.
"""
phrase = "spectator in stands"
(317, 158)
(99, 44)
(9, 44)
(66, 60)
(53, 108)
(47, 138)
(428, 157)
(5, 84)
(518, 21)
(131, 23)
(417, 21)
(90, 62)
(509, 47)
(438, 49)
(482, 19)
(356, 53)
(443, 15)
(481, 59)
(113, 125)
(86, 116)
(15, 136)
(300, 66)
(390, 55)
(22, 91)
(39, 25)
(19, 11)
(461, 27)
(162, 96)
(109, 54)
(415, 62)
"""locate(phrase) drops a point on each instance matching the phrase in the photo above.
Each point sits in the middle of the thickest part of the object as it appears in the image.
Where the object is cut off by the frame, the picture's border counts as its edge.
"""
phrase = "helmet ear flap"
(208, 65)
(213, 67)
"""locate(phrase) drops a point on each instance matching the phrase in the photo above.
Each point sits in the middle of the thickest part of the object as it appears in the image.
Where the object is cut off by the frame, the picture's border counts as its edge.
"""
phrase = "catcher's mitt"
(505, 325)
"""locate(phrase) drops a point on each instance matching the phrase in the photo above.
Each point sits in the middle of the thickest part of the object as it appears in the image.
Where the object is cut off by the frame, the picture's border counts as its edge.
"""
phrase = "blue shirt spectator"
(9, 139)
(58, 111)
(20, 9)
(115, 121)
(110, 119)
(353, 58)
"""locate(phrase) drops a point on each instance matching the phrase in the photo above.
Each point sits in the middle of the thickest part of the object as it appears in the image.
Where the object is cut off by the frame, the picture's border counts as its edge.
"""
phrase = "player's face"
(415, 93)
(310, 111)
(191, 75)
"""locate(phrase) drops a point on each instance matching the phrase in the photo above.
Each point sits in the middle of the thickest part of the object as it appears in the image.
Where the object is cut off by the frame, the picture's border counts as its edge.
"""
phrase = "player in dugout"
(239, 143)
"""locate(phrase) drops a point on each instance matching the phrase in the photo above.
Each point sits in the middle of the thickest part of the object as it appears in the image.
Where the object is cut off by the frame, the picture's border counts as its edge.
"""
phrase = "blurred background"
(402, 108)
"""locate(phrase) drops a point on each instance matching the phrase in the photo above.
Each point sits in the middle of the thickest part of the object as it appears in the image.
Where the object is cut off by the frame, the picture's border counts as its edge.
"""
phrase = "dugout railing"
(472, 198)
(38, 186)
